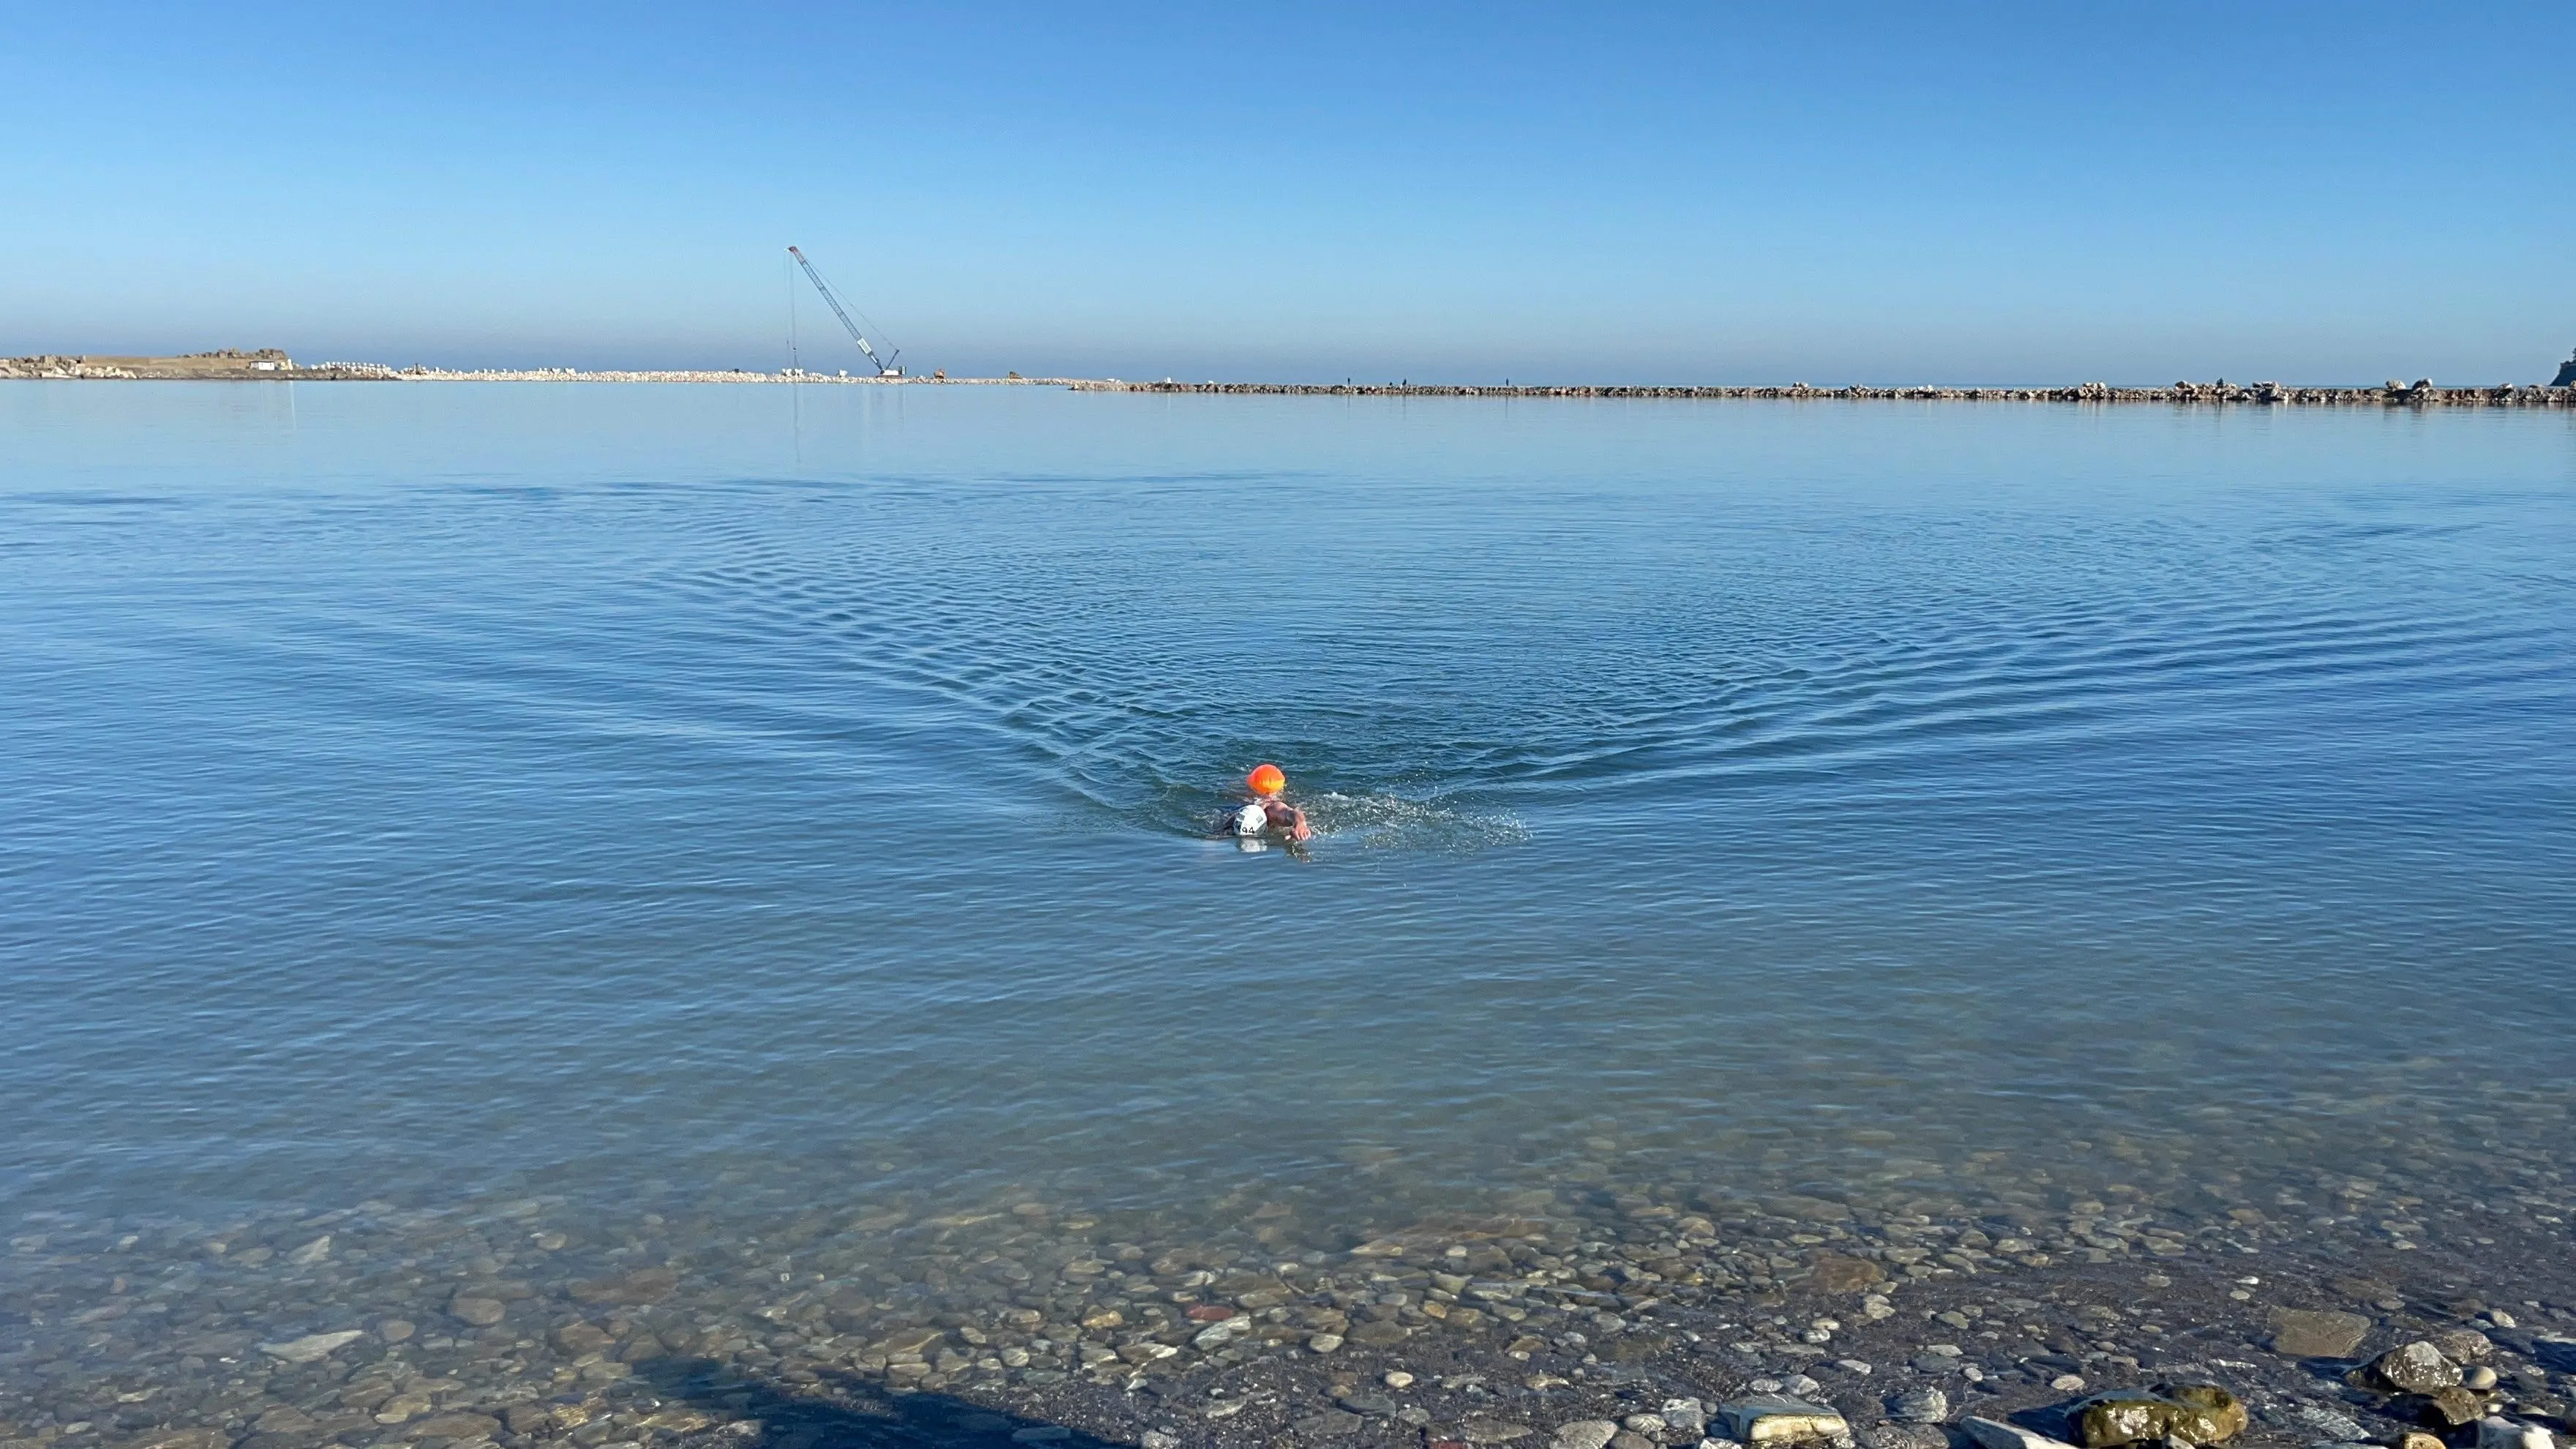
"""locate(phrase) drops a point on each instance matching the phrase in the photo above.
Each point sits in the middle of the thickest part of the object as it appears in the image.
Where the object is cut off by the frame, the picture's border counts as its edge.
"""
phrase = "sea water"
(742, 801)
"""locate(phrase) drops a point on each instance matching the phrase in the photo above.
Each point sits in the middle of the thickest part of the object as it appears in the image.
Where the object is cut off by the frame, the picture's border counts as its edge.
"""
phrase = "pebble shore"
(1610, 1314)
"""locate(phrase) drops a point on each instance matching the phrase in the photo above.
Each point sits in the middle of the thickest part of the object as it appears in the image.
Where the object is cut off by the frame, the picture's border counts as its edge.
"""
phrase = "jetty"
(270, 365)
(2421, 393)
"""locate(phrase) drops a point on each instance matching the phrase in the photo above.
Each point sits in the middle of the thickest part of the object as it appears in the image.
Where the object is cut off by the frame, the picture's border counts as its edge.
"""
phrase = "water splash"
(1386, 821)
(1343, 820)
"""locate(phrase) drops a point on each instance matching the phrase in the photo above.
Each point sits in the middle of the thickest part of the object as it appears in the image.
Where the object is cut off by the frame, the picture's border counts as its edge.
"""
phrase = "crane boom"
(885, 365)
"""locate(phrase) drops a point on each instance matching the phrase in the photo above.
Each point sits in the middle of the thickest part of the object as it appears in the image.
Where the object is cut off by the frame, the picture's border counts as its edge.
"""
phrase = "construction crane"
(885, 366)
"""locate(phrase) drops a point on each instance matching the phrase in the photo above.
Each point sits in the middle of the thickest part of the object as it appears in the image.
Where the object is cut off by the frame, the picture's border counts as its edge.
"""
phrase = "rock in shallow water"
(1584, 1434)
(454, 1426)
(646, 1285)
(1995, 1434)
(1779, 1419)
(1218, 1335)
(2445, 1408)
(2501, 1433)
(2464, 1345)
(2193, 1413)
(2411, 1368)
(2340, 1428)
(2300, 1333)
(481, 1312)
(312, 1346)
(1925, 1405)
(1842, 1273)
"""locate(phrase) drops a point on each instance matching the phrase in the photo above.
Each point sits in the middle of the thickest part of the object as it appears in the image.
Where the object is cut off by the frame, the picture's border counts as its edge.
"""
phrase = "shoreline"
(528, 1324)
(2421, 393)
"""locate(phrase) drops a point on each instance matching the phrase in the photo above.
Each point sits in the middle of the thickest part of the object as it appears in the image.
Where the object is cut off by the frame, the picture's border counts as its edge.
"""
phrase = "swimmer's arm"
(1287, 817)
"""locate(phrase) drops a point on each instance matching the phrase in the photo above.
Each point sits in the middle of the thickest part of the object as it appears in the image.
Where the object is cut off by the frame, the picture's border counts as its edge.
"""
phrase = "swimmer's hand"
(1287, 819)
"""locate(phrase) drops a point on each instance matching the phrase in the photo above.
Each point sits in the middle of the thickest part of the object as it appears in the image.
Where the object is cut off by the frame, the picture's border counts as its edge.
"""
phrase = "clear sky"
(1700, 193)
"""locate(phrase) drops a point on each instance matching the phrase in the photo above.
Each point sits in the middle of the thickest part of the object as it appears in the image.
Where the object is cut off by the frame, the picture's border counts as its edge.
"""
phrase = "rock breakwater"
(2392, 394)
(248, 367)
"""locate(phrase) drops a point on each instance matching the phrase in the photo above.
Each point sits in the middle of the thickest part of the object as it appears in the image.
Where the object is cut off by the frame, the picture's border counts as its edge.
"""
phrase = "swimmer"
(1265, 812)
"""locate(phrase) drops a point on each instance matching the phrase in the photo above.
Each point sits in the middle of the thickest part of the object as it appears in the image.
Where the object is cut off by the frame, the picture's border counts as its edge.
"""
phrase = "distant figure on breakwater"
(1266, 813)
(2566, 373)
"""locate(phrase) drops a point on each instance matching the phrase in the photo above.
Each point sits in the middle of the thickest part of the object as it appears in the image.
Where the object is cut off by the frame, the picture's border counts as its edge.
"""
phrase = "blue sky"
(1858, 192)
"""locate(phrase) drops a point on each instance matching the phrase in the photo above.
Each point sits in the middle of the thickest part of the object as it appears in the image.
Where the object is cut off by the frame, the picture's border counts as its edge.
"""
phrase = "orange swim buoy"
(1266, 780)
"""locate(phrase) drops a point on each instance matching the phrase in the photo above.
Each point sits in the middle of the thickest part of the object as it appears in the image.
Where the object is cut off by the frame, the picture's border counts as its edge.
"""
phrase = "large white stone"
(1770, 1419)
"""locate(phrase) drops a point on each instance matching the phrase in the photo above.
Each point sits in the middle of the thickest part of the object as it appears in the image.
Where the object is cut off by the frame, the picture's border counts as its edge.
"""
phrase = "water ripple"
(415, 794)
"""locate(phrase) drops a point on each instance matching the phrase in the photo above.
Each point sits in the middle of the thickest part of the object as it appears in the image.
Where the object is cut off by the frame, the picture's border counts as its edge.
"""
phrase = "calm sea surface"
(737, 797)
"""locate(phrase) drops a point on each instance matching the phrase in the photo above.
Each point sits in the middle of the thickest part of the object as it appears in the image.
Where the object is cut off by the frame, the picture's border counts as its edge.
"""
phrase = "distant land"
(272, 365)
(228, 365)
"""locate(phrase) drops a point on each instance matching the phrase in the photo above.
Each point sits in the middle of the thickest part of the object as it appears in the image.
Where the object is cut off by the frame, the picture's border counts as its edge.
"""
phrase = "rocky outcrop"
(228, 365)
(48, 366)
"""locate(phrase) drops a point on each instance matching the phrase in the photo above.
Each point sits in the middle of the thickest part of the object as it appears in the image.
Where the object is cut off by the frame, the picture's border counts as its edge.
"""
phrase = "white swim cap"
(1251, 819)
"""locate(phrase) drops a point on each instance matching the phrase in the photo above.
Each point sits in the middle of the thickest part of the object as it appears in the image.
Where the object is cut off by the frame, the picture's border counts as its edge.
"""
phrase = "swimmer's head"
(1266, 780)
